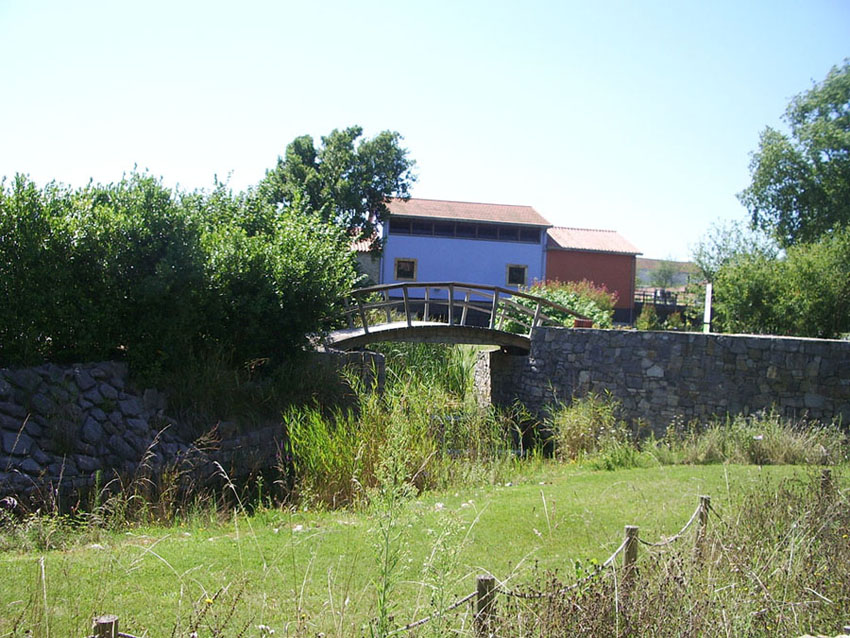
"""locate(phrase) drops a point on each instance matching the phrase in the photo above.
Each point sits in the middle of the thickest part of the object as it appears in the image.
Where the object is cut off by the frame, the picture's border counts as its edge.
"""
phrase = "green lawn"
(302, 567)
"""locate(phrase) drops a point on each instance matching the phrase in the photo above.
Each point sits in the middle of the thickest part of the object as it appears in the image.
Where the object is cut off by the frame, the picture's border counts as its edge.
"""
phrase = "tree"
(805, 293)
(665, 275)
(346, 182)
(723, 243)
(800, 186)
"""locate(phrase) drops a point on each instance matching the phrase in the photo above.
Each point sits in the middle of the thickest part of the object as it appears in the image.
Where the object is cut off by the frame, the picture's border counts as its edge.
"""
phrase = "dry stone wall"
(658, 376)
(63, 428)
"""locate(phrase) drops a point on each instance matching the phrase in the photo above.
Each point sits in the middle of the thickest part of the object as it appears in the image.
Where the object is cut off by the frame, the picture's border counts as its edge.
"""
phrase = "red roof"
(589, 239)
(467, 211)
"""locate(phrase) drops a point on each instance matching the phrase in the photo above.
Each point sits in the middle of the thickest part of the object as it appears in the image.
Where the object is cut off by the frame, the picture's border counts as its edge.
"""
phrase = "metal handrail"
(499, 297)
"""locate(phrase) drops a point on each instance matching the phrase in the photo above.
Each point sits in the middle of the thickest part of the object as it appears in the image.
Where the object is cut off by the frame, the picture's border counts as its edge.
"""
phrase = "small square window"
(517, 275)
(405, 269)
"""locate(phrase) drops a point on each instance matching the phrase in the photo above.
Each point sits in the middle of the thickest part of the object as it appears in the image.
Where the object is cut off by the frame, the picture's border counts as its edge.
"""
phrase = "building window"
(530, 235)
(405, 269)
(517, 275)
(399, 226)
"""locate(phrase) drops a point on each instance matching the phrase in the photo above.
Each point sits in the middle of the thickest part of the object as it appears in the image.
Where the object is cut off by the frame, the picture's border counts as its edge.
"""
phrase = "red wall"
(615, 272)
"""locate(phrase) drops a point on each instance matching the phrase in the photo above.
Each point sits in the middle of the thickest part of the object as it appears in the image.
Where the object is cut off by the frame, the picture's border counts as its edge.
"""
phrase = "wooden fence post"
(106, 626)
(630, 553)
(485, 597)
(702, 523)
(826, 480)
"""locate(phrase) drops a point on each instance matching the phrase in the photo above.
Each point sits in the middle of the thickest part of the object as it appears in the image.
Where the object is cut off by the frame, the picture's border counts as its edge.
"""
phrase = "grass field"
(305, 573)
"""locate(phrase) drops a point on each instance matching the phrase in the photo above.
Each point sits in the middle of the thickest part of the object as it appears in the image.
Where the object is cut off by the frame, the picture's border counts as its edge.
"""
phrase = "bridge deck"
(427, 332)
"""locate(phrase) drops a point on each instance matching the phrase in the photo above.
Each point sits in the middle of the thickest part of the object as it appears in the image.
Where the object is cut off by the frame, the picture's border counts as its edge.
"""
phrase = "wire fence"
(487, 588)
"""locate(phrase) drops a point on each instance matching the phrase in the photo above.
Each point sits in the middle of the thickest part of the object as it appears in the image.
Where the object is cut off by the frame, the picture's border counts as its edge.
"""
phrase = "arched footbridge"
(444, 312)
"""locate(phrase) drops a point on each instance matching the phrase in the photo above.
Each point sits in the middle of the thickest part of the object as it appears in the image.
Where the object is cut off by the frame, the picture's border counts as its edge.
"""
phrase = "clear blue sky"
(633, 116)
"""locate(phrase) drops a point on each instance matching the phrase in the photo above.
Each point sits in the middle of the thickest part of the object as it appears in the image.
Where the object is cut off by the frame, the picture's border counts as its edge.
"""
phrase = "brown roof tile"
(589, 239)
(469, 211)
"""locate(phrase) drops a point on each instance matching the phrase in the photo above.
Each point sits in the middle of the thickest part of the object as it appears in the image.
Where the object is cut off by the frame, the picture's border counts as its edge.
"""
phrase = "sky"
(638, 117)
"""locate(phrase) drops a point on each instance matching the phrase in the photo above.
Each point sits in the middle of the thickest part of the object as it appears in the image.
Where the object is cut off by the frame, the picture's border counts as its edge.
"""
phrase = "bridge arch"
(444, 312)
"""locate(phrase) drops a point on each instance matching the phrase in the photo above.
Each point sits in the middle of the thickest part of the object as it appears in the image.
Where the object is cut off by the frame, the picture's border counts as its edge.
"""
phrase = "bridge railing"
(457, 300)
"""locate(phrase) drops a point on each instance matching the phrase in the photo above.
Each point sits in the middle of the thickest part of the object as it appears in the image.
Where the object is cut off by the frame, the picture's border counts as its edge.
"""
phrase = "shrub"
(589, 429)
(648, 318)
(583, 297)
(135, 270)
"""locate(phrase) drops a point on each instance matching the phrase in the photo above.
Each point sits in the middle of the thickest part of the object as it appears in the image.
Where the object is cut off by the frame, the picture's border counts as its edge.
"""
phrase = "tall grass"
(445, 440)
(764, 438)
(774, 564)
(590, 430)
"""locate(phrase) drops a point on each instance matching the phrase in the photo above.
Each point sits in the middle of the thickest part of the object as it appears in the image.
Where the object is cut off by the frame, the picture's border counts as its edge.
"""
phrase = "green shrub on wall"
(136, 270)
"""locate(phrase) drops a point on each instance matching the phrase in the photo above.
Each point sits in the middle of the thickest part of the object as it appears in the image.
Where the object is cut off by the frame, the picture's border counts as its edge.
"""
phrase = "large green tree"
(800, 186)
(346, 179)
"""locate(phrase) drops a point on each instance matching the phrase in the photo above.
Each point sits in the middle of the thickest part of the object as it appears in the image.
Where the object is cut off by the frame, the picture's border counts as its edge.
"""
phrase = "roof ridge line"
(461, 201)
(596, 230)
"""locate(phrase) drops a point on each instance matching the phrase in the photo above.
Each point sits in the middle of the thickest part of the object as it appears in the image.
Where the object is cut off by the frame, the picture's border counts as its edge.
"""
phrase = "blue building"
(436, 240)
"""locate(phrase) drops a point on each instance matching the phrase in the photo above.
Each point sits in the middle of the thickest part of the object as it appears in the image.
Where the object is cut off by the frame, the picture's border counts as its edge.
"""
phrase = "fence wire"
(564, 590)
(676, 537)
(436, 614)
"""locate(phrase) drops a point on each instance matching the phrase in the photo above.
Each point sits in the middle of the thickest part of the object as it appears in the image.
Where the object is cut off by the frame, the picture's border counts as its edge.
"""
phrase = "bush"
(583, 297)
(137, 271)
(803, 293)
(589, 429)
(648, 318)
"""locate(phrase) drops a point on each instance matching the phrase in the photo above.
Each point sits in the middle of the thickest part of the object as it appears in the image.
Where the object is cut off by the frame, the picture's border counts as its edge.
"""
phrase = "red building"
(601, 256)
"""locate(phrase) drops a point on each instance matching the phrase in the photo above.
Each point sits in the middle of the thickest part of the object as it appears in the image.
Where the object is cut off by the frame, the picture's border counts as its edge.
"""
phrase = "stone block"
(16, 443)
(30, 466)
(130, 407)
(12, 409)
(26, 379)
(88, 463)
(108, 392)
(92, 431)
(656, 371)
(93, 395)
(83, 379)
(812, 400)
(122, 448)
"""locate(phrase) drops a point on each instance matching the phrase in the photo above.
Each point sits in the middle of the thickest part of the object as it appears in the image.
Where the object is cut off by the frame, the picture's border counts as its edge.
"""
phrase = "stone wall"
(62, 428)
(661, 375)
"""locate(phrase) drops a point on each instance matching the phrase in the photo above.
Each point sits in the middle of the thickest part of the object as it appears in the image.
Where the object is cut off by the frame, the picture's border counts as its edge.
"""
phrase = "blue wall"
(467, 260)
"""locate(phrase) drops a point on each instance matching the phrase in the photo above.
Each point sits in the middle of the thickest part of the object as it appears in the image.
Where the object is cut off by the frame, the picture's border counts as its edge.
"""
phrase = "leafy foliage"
(648, 318)
(583, 297)
(665, 275)
(726, 242)
(135, 270)
(801, 183)
(342, 181)
(806, 293)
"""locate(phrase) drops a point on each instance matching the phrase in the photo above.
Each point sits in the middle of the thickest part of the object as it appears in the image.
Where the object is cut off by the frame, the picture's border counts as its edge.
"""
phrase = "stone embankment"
(62, 429)
(66, 428)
